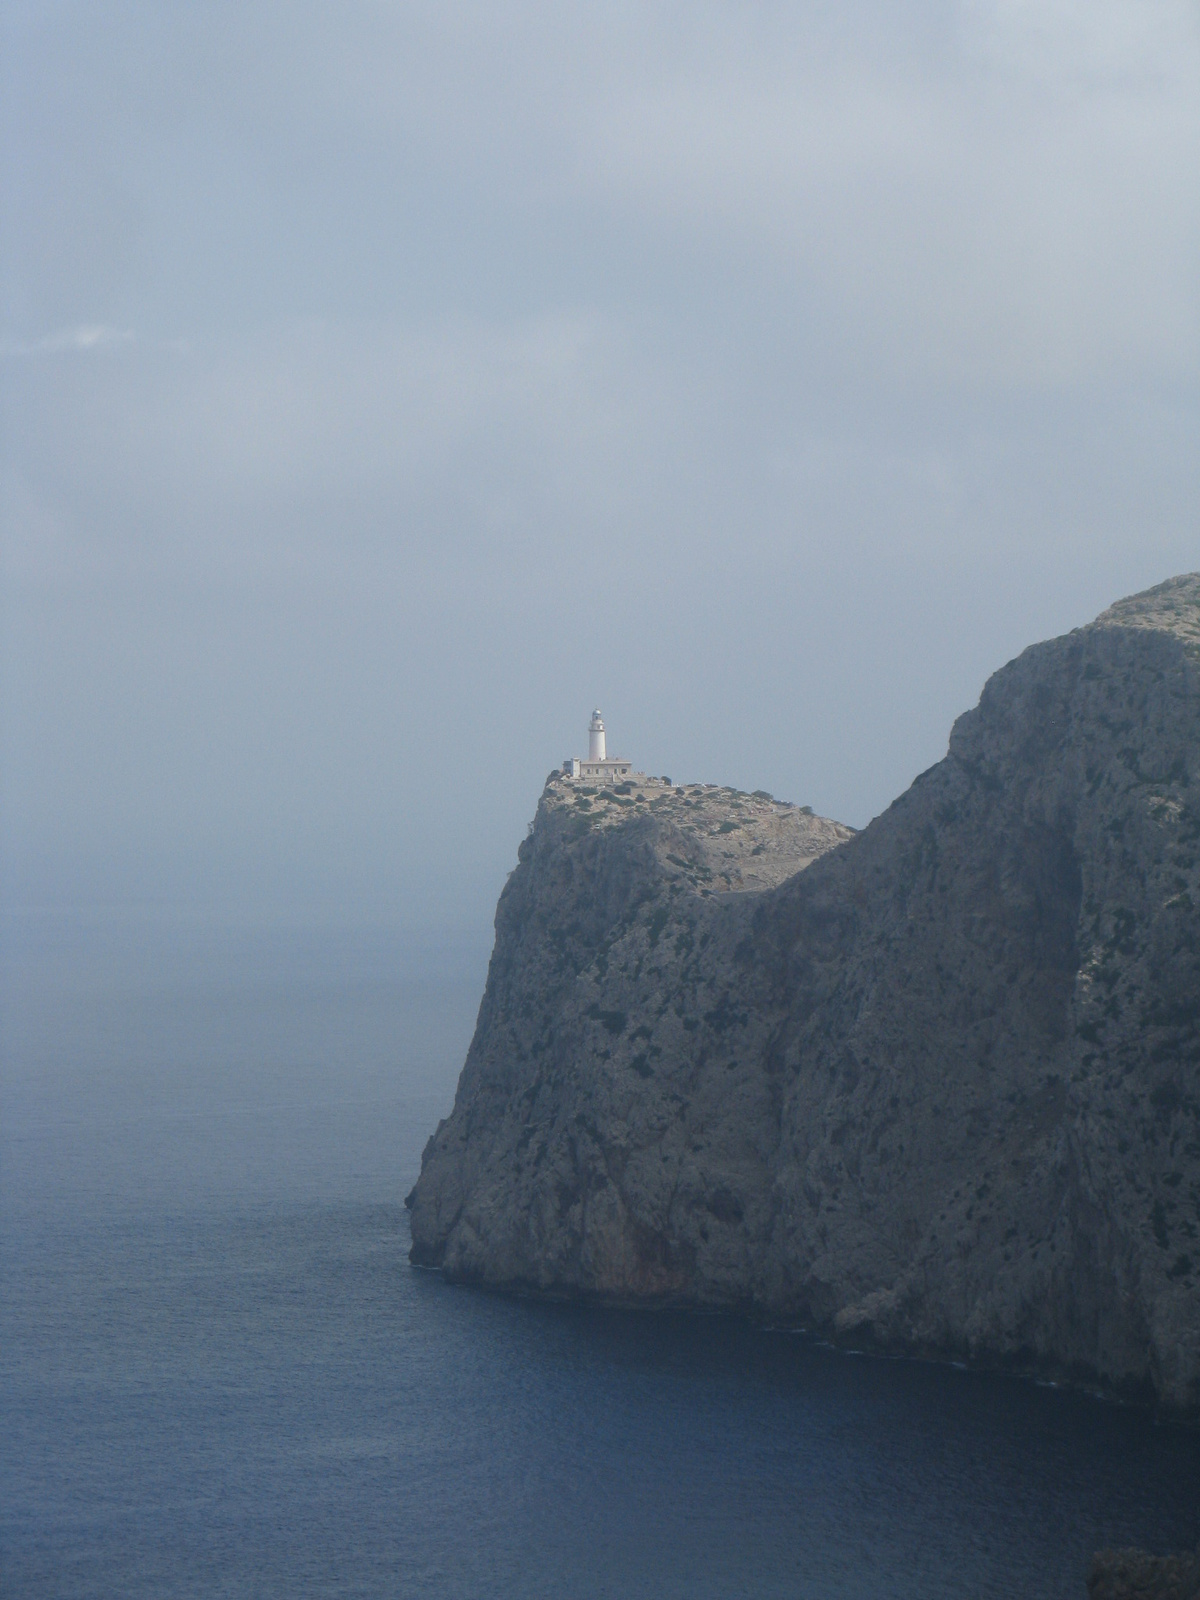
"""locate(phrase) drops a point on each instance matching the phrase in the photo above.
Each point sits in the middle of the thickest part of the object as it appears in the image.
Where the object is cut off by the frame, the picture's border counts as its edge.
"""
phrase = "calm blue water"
(219, 1376)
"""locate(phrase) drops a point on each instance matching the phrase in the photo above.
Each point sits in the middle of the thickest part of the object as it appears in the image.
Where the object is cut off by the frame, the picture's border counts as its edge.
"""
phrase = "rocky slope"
(1136, 1575)
(934, 1086)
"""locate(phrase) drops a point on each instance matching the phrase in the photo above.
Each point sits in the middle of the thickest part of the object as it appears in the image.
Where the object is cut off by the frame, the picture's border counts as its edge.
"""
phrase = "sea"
(220, 1376)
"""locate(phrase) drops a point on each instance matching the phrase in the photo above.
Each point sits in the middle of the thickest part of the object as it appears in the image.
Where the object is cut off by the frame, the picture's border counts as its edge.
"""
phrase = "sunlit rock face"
(934, 1086)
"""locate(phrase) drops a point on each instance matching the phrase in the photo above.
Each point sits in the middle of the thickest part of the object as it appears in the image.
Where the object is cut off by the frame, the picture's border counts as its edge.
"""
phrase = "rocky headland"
(933, 1087)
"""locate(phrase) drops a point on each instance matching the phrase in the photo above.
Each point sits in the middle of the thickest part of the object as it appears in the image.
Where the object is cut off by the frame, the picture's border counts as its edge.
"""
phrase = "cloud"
(91, 336)
(990, 191)
(362, 416)
(1016, 205)
(84, 339)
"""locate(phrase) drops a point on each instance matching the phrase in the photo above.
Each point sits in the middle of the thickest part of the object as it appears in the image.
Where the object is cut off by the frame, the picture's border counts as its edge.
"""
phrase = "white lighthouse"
(599, 767)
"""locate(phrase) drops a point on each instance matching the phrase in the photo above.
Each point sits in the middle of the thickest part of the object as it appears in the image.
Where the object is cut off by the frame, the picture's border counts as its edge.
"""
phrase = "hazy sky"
(387, 384)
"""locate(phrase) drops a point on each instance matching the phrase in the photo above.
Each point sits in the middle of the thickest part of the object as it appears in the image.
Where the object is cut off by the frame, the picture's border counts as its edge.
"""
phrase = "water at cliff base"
(219, 1376)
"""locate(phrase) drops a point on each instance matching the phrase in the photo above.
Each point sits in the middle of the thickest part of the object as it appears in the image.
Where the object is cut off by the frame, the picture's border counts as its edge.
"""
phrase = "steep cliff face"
(936, 1085)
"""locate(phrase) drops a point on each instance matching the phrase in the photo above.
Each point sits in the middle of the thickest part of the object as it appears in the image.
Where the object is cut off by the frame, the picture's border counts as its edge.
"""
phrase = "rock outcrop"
(934, 1086)
(1135, 1575)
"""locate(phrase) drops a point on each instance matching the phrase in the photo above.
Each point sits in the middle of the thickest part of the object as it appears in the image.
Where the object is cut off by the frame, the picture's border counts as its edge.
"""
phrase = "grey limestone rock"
(1136, 1575)
(934, 1086)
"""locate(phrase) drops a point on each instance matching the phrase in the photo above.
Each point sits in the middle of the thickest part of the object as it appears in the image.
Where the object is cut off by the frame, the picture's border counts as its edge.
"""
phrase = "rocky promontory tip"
(1137, 1575)
(934, 1086)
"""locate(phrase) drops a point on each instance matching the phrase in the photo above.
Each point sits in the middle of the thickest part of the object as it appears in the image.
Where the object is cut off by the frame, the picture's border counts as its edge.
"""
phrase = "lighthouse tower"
(599, 767)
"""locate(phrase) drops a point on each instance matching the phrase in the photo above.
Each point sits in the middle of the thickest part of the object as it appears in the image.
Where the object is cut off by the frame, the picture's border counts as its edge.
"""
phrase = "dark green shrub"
(614, 1021)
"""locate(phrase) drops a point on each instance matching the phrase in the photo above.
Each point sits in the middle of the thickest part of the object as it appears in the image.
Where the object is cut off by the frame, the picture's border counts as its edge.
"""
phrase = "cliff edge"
(934, 1086)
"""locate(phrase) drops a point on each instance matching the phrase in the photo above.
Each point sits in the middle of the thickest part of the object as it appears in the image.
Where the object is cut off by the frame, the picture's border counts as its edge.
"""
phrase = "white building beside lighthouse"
(599, 767)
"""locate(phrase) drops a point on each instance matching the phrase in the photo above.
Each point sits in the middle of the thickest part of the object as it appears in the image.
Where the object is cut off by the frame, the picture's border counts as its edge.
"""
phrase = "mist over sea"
(219, 1375)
